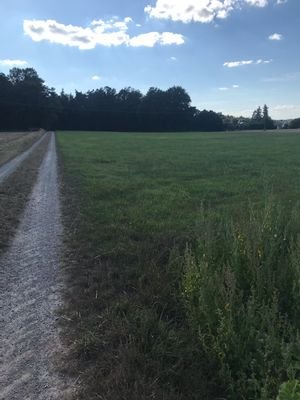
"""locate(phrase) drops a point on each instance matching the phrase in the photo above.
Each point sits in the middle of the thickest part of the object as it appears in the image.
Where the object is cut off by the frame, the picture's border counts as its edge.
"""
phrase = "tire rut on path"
(9, 167)
(30, 288)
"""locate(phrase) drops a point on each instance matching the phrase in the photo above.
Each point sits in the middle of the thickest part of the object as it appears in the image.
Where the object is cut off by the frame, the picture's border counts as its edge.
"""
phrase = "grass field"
(13, 143)
(165, 226)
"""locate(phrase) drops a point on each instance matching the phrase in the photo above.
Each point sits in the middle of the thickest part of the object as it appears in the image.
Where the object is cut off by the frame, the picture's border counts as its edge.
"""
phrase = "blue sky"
(230, 55)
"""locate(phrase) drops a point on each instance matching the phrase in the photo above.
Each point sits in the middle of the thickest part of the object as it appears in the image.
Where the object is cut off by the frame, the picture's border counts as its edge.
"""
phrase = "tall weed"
(241, 290)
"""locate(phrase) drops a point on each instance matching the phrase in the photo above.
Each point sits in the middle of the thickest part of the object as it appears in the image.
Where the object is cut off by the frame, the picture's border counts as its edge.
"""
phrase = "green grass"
(138, 201)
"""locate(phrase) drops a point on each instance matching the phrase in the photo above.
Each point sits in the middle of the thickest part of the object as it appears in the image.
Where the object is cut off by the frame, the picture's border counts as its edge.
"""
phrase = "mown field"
(185, 257)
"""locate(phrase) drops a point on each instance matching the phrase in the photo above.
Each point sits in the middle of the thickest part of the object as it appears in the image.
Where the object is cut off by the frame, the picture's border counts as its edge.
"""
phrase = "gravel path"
(30, 284)
(9, 167)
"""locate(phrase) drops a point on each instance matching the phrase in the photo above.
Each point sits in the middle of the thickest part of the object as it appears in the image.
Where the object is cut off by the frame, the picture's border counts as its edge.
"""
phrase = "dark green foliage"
(261, 119)
(295, 124)
(26, 102)
(289, 390)
(257, 114)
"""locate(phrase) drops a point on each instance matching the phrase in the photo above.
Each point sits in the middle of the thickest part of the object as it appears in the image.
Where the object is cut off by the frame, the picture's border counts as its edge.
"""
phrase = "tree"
(295, 123)
(265, 116)
(177, 99)
(25, 101)
(30, 97)
(261, 119)
(268, 123)
(257, 115)
(6, 102)
(207, 121)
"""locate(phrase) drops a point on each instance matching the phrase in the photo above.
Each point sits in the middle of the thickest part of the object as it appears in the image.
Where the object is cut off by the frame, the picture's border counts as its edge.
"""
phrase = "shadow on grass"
(124, 321)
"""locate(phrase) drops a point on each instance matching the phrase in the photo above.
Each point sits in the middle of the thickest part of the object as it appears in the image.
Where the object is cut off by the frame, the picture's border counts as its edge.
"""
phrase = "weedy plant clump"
(241, 289)
(289, 390)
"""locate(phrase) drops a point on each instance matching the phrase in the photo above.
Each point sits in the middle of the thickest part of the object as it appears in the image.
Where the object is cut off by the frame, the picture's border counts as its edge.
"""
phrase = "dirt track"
(9, 167)
(30, 294)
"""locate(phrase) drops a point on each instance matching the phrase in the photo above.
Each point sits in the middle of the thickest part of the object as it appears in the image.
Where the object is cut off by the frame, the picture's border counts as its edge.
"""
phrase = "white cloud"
(145, 39)
(263, 61)
(13, 63)
(96, 78)
(235, 64)
(113, 32)
(281, 1)
(284, 107)
(204, 11)
(276, 36)
(257, 3)
(168, 38)
(152, 38)
(173, 58)
(285, 111)
(190, 10)
(225, 88)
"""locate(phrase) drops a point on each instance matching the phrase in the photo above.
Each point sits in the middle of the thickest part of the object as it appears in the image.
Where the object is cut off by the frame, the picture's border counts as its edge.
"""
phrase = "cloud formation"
(285, 111)
(204, 11)
(225, 89)
(13, 63)
(276, 36)
(235, 64)
(96, 78)
(113, 32)
(257, 3)
(152, 38)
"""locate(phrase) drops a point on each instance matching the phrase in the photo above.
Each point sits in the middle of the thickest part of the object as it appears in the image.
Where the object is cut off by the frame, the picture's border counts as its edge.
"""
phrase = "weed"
(242, 294)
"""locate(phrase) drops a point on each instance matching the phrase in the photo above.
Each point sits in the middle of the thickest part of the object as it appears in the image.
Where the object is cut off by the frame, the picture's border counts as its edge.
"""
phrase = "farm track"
(9, 167)
(30, 287)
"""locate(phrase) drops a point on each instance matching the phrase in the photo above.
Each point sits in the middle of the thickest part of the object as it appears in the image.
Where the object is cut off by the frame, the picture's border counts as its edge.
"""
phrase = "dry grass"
(14, 143)
(15, 191)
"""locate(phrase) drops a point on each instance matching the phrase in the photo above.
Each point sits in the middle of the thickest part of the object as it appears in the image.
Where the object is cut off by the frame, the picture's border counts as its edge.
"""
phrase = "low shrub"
(289, 390)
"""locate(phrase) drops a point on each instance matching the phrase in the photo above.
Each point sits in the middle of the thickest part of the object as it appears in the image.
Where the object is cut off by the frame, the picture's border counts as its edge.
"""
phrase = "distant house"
(282, 123)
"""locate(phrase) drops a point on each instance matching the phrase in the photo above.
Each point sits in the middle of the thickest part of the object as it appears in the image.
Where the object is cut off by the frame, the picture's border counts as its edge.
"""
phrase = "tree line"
(260, 120)
(26, 102)
(295, 124)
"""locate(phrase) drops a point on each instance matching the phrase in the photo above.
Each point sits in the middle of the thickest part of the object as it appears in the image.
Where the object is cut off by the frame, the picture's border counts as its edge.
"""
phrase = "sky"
(230, 55)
